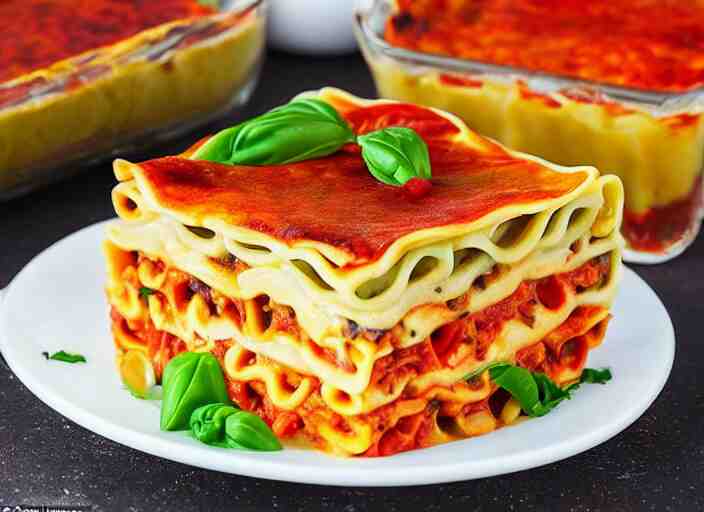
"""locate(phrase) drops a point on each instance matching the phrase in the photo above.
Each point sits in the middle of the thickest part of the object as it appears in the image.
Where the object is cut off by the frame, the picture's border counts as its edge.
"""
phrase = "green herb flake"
(64, 357)
(593, 376)
(145, 292)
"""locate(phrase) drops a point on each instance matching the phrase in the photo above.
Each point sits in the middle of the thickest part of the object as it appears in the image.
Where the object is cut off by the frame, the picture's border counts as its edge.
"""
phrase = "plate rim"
(354, 475)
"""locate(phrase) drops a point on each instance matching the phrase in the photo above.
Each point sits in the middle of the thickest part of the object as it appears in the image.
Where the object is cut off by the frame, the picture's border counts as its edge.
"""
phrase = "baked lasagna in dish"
(614, 84)
(79, 78)
(350, 314)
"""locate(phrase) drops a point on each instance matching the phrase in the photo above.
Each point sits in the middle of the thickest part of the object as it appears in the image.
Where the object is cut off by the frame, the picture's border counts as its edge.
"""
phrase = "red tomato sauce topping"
(38, 33)
(655, 45)
(337, 201)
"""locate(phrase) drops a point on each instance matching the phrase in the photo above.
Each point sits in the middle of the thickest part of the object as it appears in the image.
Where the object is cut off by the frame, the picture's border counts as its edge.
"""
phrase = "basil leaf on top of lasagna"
(395, 155)
(350, 316)
(301, 130)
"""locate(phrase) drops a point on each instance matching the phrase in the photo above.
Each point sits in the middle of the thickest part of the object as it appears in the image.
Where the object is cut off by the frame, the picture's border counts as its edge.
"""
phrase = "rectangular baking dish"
(150, 87)
(653, 141)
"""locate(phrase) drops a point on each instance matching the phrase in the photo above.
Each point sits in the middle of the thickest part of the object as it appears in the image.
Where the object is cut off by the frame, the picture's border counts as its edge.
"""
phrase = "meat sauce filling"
(467, 337)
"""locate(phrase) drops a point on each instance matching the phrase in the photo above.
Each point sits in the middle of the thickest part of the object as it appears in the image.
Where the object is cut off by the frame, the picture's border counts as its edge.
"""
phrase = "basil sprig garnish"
(208, 423)
(534, 391)
(64, 357)
(195, 397)
(246, 430)
(395, 155)
(190, 380)
(226, 426)
(593, 376)
(309, 128)
(301, 130)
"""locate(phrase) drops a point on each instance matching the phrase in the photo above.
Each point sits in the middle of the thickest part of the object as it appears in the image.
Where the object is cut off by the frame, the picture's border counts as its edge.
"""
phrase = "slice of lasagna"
(349, 314)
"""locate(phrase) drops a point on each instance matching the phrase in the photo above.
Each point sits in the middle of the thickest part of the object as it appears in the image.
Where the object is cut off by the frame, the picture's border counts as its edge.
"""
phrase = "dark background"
(656, 464)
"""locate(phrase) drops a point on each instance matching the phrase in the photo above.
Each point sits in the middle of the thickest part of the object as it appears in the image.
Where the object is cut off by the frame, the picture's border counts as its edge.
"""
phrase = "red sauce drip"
(37, 33)
(417, 188)
(460, 81)
(655, 45)
(658, 228)
(528, 94)
(681, 121)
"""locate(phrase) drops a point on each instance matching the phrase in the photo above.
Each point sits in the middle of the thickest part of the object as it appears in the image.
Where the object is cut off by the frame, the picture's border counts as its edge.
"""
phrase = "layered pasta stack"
(355, 317)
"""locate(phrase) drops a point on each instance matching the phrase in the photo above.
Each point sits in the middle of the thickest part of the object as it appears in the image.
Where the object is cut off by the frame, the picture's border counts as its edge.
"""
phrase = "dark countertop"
(656, 464)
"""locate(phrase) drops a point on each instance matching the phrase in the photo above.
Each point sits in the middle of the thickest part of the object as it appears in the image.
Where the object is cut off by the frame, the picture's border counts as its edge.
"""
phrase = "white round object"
(57, 303)
(312, 27)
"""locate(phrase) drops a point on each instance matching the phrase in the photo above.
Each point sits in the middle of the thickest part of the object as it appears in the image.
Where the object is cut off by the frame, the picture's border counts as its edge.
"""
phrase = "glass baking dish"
(162, 80)
(654, 141)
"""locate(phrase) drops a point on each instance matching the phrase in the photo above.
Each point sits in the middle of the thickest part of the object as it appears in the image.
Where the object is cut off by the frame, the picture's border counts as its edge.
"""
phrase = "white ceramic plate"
(57, 302)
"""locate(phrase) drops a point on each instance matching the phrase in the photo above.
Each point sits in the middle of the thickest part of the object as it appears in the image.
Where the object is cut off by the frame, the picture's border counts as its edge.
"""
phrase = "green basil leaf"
(593, 376)
(395, 155)
(519, 383)
(208, 423)
(190, 380)
(301, 130)
(65, 357)
(246, 430)
(550, 394)
(536, 392)
(145, 292)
